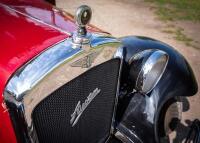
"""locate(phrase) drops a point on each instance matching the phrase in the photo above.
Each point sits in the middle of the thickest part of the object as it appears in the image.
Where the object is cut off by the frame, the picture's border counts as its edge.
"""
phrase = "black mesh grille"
(51, 117)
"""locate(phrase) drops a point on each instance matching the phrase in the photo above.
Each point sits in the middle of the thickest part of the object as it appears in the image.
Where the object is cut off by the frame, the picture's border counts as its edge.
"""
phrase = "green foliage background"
(178, 9)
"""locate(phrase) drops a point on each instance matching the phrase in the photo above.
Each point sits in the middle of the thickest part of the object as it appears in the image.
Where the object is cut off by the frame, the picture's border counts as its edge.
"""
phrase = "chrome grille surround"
(49, 71)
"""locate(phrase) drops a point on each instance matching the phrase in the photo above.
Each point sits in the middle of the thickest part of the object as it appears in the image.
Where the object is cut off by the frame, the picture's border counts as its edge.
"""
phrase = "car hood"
(27, 28)
(21, 38)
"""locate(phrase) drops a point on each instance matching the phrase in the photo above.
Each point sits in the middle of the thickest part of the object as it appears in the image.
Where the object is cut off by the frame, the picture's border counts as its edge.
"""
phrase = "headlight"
(146, 69)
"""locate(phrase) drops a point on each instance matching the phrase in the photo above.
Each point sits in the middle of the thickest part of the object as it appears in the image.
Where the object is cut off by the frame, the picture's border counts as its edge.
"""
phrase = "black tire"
(170, 116)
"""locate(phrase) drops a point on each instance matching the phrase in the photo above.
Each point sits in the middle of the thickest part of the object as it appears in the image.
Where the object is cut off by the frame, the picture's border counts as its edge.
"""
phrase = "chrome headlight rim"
(146, 63)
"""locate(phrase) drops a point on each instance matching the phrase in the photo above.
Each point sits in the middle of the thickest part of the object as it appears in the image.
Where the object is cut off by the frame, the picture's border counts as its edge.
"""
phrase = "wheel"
(170, 116)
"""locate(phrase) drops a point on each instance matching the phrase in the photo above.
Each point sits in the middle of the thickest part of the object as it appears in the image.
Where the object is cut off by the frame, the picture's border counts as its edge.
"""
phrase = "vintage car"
(64, 80)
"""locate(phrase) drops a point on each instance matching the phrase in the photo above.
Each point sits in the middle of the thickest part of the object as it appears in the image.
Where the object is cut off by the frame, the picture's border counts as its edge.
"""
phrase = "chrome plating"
(56, 66)
(147, 65)
(150, 64)
(52, 69)
(123, 137)
(83, 17)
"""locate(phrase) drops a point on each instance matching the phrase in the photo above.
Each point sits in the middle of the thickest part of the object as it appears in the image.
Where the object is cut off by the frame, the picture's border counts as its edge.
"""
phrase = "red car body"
(23, 36)
(29, 28)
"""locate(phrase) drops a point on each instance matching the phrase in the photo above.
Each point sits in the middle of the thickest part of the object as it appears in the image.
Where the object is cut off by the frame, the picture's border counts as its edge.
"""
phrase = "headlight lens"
(147, 68)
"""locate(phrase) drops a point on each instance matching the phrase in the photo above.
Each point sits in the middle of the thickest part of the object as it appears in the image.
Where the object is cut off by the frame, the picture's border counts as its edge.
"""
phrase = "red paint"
(42, 10)
(21, 38)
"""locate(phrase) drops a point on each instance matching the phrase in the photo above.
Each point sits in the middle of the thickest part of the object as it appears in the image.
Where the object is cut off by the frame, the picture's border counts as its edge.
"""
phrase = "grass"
(169, 10)
(172, 10)
(180, 36)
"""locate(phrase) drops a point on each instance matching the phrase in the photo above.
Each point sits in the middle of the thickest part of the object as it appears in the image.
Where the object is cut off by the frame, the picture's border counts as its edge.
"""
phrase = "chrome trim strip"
(52, 69)
(33, 72)
(126, 135)
(123, 137)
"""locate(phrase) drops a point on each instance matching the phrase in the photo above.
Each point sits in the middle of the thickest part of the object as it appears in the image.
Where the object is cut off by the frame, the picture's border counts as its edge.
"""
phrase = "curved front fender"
(178, 70)
(138, 114)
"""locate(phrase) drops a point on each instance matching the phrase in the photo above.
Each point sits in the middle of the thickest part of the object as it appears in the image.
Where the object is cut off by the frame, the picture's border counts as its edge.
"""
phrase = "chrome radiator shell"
(53, 68)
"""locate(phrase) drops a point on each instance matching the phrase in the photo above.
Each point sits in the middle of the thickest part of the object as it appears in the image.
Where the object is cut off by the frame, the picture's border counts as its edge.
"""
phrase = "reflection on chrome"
(151, 64)
(52, 69)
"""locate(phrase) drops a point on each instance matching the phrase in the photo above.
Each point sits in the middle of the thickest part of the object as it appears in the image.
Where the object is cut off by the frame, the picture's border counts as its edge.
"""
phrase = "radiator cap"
(83, 16)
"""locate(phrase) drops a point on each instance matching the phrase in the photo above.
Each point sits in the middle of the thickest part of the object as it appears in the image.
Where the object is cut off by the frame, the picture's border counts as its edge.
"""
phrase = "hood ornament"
(82, 17)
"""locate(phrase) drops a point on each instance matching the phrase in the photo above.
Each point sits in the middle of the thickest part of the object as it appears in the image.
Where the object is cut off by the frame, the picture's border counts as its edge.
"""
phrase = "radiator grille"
(51, 117)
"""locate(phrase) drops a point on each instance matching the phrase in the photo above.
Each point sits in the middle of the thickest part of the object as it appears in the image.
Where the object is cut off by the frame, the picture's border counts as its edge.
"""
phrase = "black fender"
(137, 115)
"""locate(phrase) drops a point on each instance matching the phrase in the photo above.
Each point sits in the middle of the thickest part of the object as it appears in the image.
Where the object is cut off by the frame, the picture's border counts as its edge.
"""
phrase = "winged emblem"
(86, 61)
